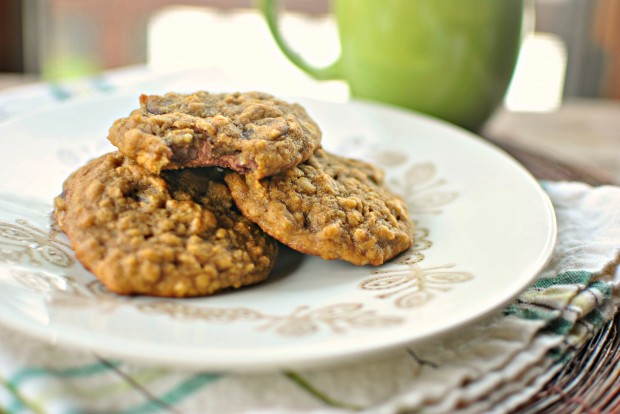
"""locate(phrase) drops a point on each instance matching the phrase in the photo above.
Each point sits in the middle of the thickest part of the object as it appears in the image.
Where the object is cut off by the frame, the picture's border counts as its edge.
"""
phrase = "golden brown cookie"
(246, 132)
(329, 206)
(142, 234)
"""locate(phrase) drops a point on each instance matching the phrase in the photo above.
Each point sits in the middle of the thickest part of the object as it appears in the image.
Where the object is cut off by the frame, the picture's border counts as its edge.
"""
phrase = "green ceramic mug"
(449, 58)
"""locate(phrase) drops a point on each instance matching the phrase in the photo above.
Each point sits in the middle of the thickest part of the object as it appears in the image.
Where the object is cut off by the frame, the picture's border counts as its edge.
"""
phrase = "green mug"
(452, 59)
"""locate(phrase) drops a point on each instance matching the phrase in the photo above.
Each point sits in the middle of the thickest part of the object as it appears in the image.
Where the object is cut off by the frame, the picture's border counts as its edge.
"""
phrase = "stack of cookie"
(201, 186)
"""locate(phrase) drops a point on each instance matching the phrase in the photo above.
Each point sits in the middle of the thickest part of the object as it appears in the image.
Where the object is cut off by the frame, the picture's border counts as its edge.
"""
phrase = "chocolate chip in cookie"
(246, 132)
(175, 235)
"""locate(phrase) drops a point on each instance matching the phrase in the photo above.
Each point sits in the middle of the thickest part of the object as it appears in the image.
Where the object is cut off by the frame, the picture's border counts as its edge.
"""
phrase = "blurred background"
(570, 53)
(572, 47)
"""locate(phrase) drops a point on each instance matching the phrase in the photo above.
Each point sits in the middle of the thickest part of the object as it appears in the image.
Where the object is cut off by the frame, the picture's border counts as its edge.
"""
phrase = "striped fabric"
(492, 366)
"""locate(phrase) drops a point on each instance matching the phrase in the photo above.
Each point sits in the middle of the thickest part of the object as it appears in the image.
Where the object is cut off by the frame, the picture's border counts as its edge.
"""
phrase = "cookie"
(178, 235)
(246, 132)
(329, 206)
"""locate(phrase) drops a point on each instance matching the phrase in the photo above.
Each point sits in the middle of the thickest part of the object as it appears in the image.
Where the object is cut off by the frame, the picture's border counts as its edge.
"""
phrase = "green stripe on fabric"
(142, 378)
(175, 395)
(84, 370)
(101, 84)
(19, 401)
(570, 277)
(511, 309)
(59, 92)
(310, 389)
(559, 326)
(603, 287)
(531, 313)
(595, 318)
(544, 184)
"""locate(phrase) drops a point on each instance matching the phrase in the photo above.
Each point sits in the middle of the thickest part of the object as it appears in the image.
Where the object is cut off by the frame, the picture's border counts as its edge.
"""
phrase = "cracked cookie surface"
(246, 132)
(328, 206)
(177, 235)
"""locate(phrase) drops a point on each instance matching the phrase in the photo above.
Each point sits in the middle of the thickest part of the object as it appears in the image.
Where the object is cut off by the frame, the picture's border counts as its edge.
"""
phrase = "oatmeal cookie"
(329, 206)
(246, 132)
(177, 235)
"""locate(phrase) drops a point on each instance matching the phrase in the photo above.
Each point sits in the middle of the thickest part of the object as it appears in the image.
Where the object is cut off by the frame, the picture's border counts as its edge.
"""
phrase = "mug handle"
(331, 71)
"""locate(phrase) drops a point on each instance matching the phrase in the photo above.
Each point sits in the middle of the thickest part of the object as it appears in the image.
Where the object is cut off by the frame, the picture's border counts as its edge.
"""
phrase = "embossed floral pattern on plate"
(404, 280)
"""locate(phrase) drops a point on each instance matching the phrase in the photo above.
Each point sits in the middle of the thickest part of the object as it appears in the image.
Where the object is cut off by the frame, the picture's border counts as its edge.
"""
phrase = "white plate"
(484, 230)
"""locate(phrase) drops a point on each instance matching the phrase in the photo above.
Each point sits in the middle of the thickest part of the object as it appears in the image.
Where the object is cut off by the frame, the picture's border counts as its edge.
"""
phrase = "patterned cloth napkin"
(492, 366)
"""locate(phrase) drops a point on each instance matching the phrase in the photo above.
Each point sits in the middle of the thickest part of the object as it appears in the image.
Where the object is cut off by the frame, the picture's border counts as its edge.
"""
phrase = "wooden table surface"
(578, 142)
